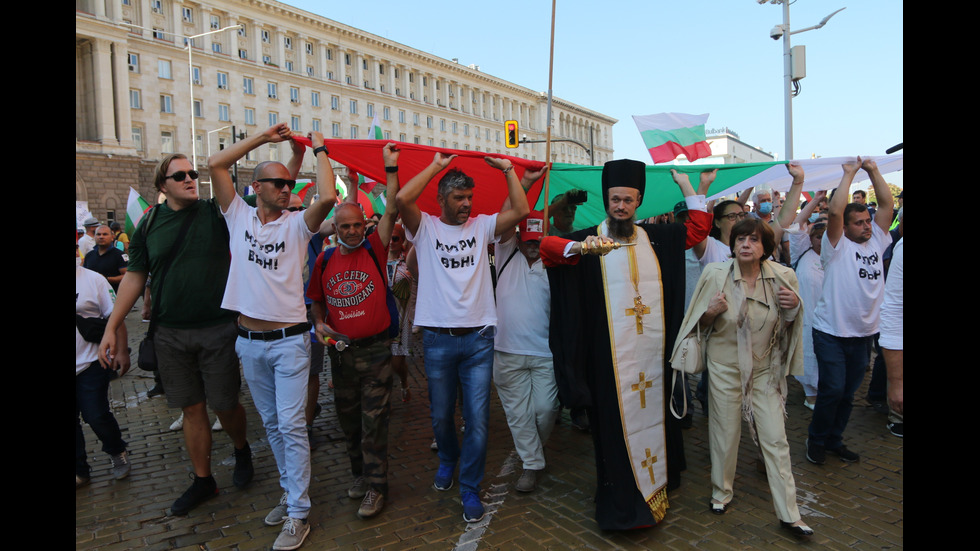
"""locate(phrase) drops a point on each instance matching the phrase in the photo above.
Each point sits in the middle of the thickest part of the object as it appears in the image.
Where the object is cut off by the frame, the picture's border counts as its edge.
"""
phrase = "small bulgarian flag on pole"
(667, 135)
(375, 133)
(136, 207)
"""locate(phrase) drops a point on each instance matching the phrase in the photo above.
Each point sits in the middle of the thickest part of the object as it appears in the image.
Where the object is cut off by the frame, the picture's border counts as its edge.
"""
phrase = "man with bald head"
(350, 296)
(265, 285)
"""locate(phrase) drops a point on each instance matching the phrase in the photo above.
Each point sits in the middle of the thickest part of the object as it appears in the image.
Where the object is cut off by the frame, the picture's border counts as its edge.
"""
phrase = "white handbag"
(690, 357)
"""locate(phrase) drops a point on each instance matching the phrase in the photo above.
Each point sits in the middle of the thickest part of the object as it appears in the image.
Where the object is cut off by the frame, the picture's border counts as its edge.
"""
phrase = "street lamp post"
(784, 32)
(190, 75)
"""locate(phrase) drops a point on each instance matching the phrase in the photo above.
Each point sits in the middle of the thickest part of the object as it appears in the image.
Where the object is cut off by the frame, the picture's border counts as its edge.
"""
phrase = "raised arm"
(295, 163)
(527, 180)
(390, 153)
(221, 162)
(410, 192)
(788, 213)
(835, 209)
(886, 203)
(698, 221)
(317, 213)
(811, 206)
(519, 208)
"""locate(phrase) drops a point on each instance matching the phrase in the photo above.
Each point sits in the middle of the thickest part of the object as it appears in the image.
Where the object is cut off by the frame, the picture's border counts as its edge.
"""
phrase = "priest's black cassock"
(580, 343)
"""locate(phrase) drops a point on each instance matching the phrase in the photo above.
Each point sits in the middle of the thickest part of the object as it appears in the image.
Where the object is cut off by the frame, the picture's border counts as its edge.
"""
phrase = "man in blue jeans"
(846, 316)
(457, 312)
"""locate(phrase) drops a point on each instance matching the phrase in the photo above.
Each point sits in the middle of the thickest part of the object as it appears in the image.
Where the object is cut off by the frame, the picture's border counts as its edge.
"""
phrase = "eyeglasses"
(732, 216)
(181, 175)
(279, 182)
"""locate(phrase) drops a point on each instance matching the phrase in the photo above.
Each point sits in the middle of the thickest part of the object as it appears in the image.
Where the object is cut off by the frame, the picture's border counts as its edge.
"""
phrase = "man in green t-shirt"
(193, 335)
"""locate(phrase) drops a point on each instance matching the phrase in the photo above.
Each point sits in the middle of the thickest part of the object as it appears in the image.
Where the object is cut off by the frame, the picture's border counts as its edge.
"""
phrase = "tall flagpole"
(547, 148)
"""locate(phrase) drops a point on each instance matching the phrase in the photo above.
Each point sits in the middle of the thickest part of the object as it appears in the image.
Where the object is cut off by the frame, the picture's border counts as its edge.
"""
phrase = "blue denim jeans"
(841, 362)
(465, 360)
(277, 373)
(92, 404)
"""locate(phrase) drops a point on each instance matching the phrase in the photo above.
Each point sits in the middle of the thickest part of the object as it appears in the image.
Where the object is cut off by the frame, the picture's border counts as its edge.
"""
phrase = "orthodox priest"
(617, 292)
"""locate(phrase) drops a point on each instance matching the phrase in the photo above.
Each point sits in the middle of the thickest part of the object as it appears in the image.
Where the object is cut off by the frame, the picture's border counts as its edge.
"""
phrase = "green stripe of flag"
(682, 136)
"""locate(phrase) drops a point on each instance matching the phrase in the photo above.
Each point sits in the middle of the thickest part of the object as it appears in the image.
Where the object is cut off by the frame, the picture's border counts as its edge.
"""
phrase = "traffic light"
(510, 132)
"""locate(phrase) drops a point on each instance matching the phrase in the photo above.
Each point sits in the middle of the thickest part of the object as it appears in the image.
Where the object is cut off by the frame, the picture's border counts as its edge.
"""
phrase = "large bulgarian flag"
(667, 135)
(136, 207)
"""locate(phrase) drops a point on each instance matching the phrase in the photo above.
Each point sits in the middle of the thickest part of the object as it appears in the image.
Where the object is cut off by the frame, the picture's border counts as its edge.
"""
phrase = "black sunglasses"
(279, 182)
(181, 175)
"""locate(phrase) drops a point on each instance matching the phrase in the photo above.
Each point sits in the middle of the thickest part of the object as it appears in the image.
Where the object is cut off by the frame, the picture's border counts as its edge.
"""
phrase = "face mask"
(348, 247)
(814, 216)
(765, 208)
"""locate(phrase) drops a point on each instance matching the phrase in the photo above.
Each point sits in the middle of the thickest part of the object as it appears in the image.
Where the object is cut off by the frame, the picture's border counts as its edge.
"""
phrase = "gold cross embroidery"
(638, 310)
(648, 464)
(642, 386)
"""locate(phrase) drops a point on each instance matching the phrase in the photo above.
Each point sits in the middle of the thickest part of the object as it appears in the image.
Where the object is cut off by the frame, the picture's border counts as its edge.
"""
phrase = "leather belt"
(275, 334)
(454, 331)
(368, 341)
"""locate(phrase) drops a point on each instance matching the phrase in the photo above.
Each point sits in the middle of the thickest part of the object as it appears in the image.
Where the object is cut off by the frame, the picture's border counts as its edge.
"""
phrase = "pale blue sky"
(625, 58)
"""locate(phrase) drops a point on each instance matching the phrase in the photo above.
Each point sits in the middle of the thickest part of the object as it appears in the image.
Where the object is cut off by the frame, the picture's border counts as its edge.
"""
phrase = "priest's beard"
(620, 229)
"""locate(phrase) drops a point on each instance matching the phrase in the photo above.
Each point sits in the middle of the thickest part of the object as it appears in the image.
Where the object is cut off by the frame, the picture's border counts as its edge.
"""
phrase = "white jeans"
(528, 392)
(278, 373)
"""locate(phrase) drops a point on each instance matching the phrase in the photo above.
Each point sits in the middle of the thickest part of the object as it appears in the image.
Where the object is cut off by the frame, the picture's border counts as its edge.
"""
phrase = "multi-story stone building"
(138, 95)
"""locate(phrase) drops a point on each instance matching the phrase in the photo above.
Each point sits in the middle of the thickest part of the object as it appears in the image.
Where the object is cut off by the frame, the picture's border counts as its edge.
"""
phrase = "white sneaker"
(294, 532)
(178, 424)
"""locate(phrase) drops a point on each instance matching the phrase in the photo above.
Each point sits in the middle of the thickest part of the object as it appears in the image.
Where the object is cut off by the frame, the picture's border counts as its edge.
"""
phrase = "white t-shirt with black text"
(455, 286)
(853, 285)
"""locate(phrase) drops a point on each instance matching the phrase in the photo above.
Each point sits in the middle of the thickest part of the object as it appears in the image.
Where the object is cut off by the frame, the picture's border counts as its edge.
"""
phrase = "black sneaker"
(844, 454)
(898, 429)
(200, 491)
(155, 391)
(815, 453)
(243, 467)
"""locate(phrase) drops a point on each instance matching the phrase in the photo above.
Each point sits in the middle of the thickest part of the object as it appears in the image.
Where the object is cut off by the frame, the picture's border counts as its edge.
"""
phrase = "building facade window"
(166, 142)
(249, 116)
(248, 85)
(166, 103)
(222, 80)
(198, 108)
(273, 118)
(134, 63)
(293, 94)
(135, 99)
(353, 107)
(164, 69)
(335, 103)
(315, 99)
(315, 125)
(224, 112)
(294, 123)
(335, 129)
(273, 90)
(137, 137)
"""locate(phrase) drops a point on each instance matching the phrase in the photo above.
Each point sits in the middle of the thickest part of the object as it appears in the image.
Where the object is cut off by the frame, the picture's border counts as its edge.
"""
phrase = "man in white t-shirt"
(265, 284)
(846, 317)
(456, 310)
(523, 370)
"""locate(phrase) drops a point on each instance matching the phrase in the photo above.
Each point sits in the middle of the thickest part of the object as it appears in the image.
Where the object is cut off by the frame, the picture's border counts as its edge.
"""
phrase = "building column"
(120, 71)
(105, 124)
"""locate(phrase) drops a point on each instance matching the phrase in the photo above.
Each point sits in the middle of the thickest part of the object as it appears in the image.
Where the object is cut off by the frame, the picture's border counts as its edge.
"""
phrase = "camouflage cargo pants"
(362, 391)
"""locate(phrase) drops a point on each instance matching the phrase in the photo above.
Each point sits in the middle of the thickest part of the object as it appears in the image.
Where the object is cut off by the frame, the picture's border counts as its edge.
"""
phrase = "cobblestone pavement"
(850, 506)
